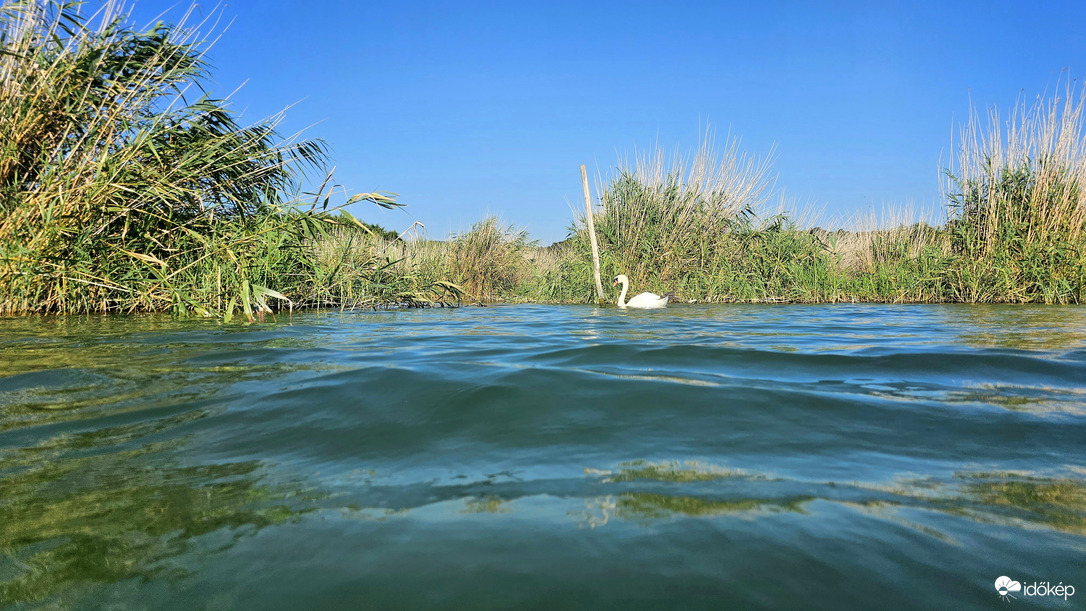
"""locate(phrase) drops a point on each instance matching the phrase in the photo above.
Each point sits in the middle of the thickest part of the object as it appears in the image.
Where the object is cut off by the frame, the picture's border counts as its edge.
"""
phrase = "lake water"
(836, 456)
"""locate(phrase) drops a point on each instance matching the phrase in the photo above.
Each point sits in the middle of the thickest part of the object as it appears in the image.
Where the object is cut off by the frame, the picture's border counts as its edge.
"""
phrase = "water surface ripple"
(528, 456)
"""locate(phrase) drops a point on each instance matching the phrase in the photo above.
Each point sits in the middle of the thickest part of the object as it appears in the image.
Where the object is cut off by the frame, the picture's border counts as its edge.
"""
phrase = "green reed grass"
(698, 225)
(701, 226)
(490, 259)
(121, 189)
(354, 266)
(1017, 204)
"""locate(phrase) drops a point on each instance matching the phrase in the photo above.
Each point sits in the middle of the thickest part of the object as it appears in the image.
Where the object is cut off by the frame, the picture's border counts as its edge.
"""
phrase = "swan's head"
(621, 278)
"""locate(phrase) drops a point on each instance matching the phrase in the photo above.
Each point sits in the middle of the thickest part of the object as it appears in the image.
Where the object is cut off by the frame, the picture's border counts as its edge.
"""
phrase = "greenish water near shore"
(834, 456)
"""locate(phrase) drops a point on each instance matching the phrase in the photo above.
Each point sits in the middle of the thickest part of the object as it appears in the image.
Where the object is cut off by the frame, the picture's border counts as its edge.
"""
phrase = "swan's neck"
(622, 295)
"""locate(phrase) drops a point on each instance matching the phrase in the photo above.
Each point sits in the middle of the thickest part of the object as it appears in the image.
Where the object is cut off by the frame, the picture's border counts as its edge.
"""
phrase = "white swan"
(644, 301)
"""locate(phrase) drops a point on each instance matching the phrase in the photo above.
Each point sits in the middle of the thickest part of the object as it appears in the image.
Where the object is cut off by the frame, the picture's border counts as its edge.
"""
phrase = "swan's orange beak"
(615, 283)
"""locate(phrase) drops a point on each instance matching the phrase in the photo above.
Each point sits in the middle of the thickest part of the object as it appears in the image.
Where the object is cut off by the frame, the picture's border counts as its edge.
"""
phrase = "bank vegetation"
(124, 187)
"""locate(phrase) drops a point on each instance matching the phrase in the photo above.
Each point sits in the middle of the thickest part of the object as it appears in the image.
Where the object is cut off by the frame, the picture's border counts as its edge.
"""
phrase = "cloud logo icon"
(1005, 585)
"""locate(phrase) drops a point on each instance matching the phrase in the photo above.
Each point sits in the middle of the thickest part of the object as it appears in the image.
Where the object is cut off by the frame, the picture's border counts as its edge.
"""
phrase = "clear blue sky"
(465, 108)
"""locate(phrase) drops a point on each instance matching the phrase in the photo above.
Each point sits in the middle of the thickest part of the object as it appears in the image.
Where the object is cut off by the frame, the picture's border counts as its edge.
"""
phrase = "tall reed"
(490, 259)
(120, 189)
(356, 266)
(699, 225)
(1018, 205)
(124, 187)
(663, 214)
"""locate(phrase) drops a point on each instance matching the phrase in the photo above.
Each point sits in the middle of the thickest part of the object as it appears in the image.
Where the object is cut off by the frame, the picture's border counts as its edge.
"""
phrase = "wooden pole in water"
(592, 233)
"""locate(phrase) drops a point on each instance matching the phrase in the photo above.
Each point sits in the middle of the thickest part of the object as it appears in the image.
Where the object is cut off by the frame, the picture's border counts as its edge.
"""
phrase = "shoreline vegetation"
(125, 188)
